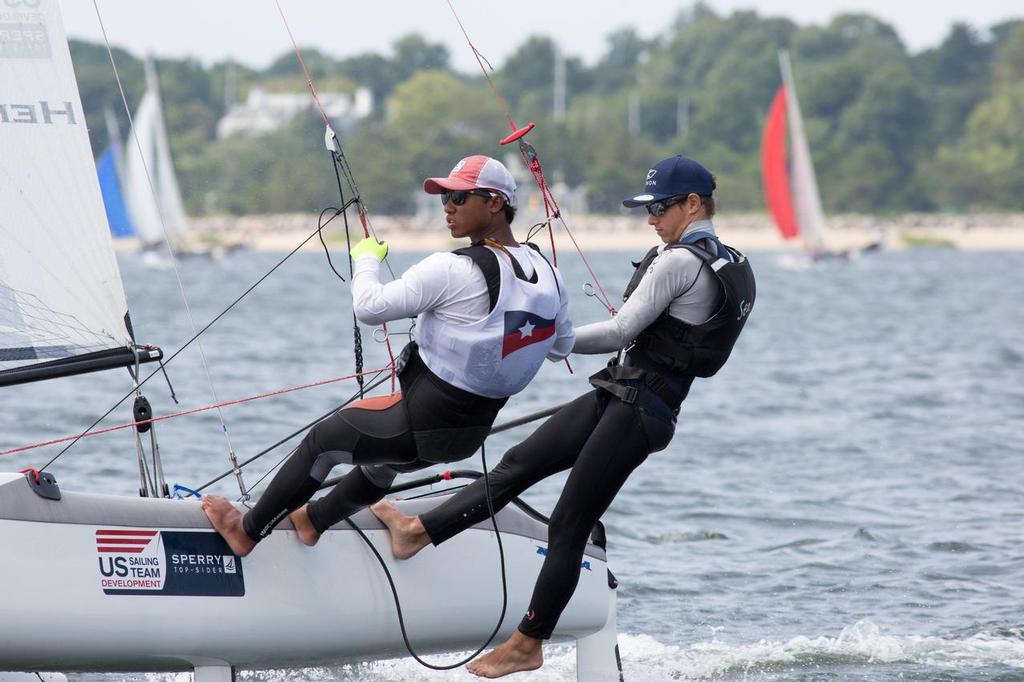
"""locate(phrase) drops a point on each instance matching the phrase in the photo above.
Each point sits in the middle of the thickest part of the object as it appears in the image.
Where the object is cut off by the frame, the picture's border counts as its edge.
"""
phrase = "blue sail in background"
(110, 187)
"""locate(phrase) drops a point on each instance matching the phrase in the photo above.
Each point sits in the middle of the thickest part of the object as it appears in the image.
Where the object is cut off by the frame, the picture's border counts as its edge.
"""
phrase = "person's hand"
(370, 247)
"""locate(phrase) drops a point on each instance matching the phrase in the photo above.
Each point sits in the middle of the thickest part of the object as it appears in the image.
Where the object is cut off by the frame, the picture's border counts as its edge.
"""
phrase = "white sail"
(806, 200)
(154, 207)
(60, 288)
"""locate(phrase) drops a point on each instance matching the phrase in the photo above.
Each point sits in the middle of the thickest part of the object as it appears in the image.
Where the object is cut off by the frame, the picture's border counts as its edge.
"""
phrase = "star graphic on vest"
(527, 329)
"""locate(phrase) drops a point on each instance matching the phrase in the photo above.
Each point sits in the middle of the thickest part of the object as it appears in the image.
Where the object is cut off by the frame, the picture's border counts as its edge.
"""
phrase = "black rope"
(536, 228)
(320, 227)
(398, 602)
(188, 343)
(357, 336)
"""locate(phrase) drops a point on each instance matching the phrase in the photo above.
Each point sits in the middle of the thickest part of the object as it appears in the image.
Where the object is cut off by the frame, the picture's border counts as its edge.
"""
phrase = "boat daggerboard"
(61, 295)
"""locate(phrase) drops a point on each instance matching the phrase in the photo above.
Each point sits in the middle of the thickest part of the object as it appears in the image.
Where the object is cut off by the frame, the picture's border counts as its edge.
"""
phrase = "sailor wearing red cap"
(487, 316)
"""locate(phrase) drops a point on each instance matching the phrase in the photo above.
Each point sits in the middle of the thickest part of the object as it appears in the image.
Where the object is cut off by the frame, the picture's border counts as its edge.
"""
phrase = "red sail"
(774, 169)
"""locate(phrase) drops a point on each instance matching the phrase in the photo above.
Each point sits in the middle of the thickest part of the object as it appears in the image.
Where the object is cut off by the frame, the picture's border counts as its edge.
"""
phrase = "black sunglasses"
(658, 208)
(458, 196)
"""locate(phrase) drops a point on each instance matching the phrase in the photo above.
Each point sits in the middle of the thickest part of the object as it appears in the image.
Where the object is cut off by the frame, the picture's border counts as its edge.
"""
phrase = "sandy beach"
(746, 231)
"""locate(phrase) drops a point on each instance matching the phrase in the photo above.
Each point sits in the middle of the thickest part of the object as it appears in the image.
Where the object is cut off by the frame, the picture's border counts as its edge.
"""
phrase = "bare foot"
(408, 536)
(304, 527)
(517, 654)
(227, 521)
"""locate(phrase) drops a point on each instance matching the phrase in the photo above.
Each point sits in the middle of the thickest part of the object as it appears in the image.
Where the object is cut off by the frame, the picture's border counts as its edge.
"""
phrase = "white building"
(265, 111)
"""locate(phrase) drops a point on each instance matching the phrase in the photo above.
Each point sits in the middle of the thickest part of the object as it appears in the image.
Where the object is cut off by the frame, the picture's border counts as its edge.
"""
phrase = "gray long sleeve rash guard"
(675, 281)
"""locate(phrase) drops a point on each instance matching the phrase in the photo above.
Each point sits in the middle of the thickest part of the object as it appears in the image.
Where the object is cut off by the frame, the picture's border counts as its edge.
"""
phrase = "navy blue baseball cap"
(673, 177)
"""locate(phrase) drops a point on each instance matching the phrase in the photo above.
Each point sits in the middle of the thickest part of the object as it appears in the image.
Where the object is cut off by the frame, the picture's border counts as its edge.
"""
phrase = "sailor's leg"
(620, 443)
(372, 424)
(553, 447)
(360, 488)
(617, 446)
(327, 444)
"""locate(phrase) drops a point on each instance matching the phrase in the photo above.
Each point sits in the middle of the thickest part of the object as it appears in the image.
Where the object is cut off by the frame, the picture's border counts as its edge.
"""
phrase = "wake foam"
(645, 659)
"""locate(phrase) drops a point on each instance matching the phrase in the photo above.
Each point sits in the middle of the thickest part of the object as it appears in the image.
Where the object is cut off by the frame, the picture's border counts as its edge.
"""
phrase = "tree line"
(889, 131)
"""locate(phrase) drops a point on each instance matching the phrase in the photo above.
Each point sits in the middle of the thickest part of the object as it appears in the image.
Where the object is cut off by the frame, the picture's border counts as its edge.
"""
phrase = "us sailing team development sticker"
(162, 562)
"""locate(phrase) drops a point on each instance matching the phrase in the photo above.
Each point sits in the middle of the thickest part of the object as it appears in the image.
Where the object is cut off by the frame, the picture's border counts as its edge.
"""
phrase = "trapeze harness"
(667, 356)
(603, 435)
(454, 380)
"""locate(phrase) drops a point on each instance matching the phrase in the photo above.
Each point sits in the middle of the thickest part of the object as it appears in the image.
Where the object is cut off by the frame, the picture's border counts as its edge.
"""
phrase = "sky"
(251, 31)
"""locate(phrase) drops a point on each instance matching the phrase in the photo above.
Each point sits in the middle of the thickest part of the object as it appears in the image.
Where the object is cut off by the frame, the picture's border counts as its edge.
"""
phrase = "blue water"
(842, 502)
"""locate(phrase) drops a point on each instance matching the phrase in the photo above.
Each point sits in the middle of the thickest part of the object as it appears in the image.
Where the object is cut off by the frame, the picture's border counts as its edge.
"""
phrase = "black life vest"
(670, 346)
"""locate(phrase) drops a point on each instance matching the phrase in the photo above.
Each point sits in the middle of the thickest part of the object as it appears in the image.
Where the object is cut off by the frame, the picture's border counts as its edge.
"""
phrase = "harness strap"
(612, 379)
(487, 261)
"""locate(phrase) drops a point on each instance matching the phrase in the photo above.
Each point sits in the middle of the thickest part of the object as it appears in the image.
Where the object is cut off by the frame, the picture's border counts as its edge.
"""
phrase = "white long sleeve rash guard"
(676, 282)
(448, 284)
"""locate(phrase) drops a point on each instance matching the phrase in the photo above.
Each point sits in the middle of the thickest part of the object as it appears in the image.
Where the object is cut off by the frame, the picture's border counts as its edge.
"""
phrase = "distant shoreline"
(747, 231)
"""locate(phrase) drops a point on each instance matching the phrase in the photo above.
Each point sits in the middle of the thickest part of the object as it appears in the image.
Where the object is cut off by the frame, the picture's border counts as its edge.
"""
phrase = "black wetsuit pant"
(602, 440)
(430, 422)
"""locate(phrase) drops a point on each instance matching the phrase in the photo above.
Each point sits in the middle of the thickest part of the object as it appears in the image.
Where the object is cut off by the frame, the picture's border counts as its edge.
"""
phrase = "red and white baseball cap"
(475, 172)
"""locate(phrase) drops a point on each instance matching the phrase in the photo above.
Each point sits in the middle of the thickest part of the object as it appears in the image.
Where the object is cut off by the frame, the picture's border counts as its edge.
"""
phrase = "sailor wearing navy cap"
(684, 309)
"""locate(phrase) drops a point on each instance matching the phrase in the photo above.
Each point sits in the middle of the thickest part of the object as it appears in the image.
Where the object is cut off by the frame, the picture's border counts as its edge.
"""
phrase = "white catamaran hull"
(107, 583)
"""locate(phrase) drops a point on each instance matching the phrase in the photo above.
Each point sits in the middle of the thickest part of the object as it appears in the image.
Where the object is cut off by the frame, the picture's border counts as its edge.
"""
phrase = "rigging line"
(357, 394)
(196, 410)
(398, 602)
(342, 167)
(320, 231)
(338, 152)
(480, 59)
(357, 337)
(163, 227)
(290, 436)
(167, 361)
(532, 162)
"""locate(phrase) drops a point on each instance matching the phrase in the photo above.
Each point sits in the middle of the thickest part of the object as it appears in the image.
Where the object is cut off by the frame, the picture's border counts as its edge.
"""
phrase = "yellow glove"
(370, 247)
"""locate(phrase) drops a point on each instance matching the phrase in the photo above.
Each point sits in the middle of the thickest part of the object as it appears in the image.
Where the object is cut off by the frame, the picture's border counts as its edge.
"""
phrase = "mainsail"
(61, 298)
(792, 195)
(150, 185)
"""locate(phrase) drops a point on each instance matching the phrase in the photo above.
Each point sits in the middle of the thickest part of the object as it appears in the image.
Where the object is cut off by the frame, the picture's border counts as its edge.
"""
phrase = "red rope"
(227, 403)
(309, 79)
(551, 207)
(364, 219)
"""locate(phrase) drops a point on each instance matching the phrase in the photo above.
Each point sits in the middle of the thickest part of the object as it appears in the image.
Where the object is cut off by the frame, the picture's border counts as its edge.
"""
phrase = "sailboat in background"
(110, 169)
(144, 583)
(150, 184)
(791, 189)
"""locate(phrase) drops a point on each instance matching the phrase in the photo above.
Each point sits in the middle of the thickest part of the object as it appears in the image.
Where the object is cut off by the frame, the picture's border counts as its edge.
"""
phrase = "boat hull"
(107, 583)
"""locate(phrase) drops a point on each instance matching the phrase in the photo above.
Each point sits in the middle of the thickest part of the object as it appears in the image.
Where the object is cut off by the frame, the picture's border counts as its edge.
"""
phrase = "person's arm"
(565, 335)
(671, 275)
(421, 287)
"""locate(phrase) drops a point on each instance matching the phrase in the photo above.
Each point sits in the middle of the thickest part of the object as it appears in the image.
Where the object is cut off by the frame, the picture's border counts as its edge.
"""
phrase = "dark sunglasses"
(658, 208)
(458, 196)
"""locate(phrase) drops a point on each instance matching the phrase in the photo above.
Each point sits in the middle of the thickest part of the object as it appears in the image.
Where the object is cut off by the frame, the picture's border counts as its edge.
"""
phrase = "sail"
(113, 199)
(60, 289)
(110, 168)
(806, 200)
(774, 170)
(150, 185)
